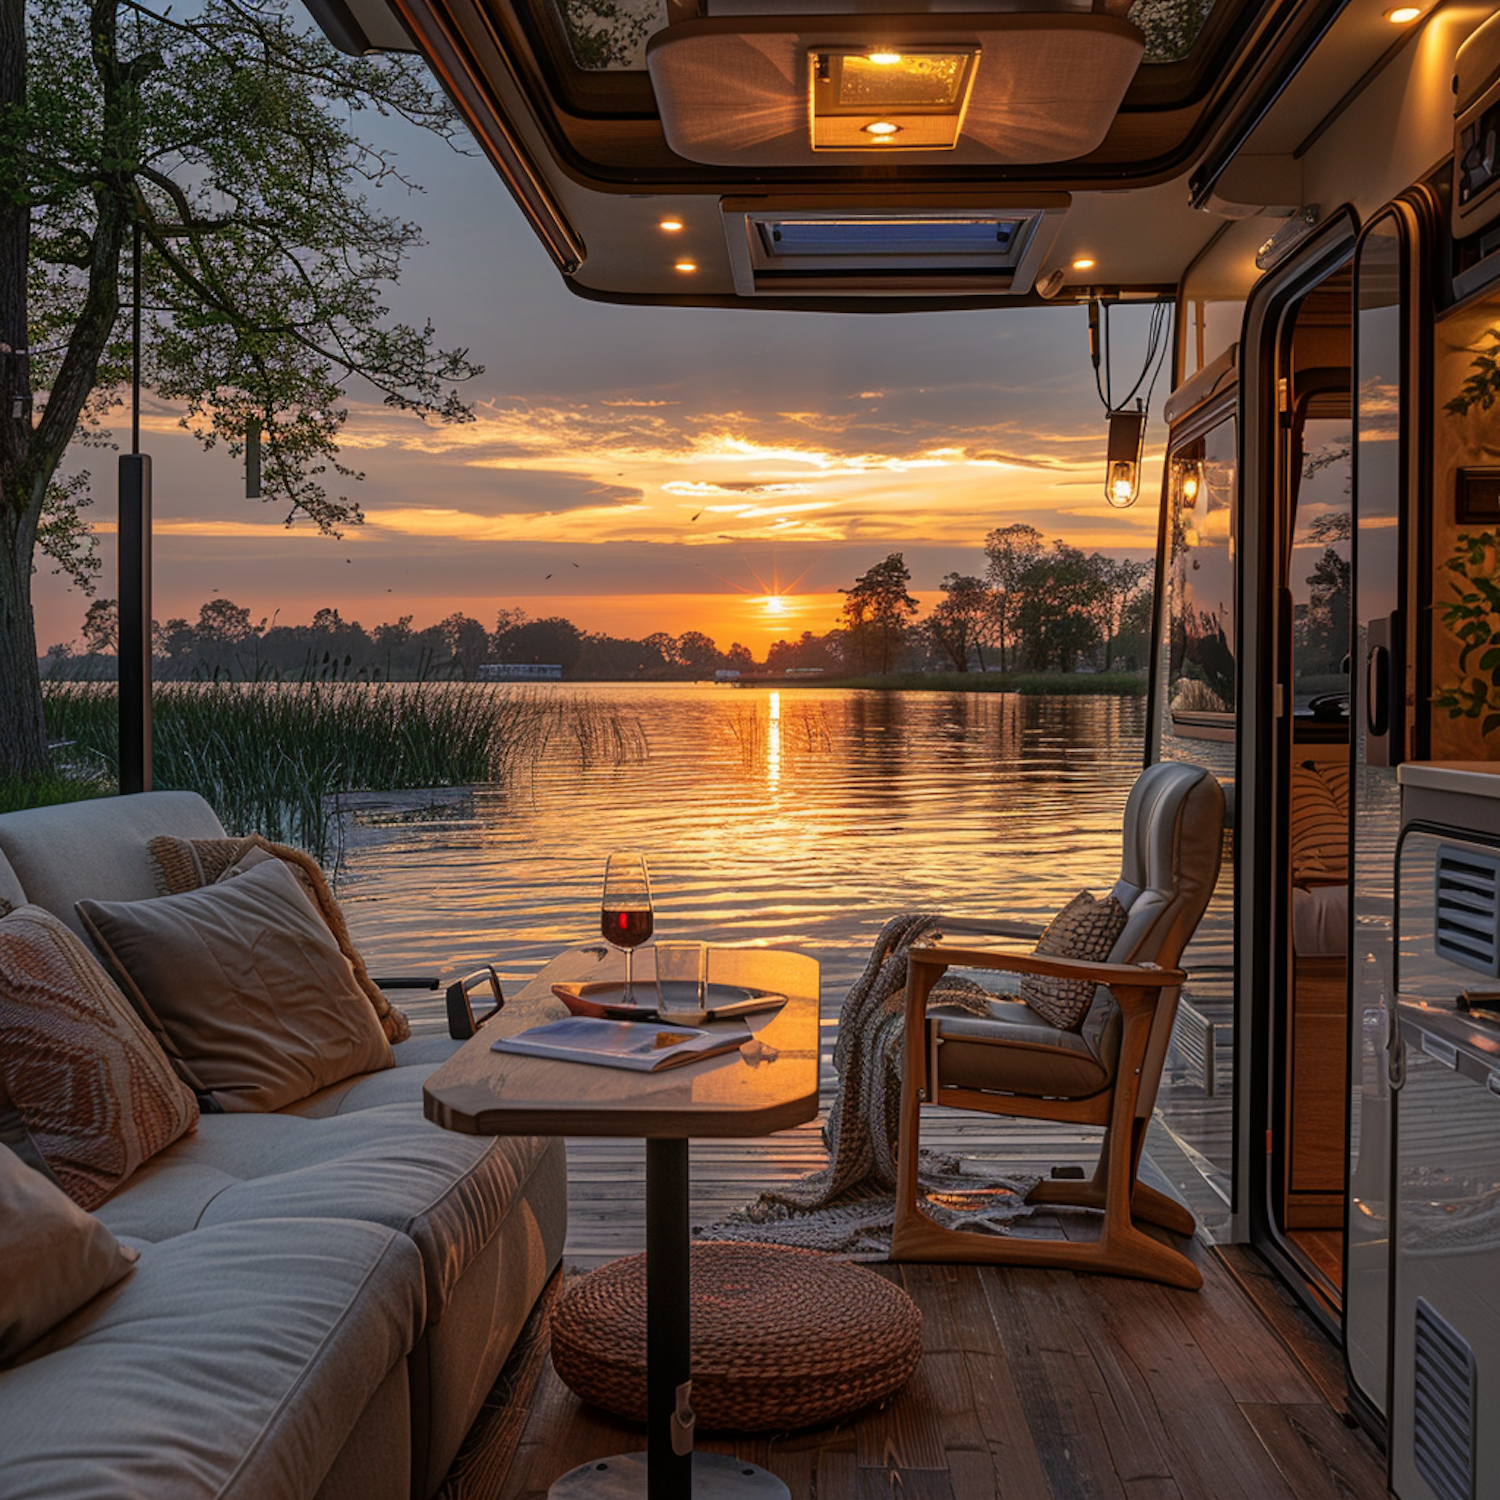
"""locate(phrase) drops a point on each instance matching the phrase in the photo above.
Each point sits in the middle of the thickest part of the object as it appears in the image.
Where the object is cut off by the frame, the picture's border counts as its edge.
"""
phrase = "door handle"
(1378, 690)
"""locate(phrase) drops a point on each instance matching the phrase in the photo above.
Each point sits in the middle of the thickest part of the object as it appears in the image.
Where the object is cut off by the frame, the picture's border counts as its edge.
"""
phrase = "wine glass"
(625, 912)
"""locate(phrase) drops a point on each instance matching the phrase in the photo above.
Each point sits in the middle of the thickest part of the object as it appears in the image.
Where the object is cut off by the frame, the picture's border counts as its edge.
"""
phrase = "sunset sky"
(669, 469)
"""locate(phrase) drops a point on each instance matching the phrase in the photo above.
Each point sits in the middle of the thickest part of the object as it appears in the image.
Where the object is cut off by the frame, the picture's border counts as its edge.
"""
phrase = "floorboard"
(1034, 1385)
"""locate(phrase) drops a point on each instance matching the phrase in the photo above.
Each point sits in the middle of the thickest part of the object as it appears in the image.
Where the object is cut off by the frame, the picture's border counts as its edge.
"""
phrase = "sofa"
(324, 1294)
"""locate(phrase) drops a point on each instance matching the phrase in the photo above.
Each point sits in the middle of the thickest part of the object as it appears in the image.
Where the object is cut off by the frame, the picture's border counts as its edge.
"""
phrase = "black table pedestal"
(669, 1469)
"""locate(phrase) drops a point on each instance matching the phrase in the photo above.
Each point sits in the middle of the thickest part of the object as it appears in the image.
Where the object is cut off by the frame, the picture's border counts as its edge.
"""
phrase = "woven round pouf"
(782, 1337)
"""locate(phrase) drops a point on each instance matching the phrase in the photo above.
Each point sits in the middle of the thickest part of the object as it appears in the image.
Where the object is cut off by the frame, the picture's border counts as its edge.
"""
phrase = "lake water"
(800, 819)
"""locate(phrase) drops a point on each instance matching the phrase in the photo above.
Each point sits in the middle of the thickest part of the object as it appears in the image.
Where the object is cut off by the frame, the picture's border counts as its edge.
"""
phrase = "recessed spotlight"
(671, 225)
(687, 265)
(1084, 263)
(885, 59)
(882, 129)
(1403, 15)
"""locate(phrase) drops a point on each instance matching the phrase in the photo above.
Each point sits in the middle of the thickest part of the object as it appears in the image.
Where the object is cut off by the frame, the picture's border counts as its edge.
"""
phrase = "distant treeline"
(1039, 607)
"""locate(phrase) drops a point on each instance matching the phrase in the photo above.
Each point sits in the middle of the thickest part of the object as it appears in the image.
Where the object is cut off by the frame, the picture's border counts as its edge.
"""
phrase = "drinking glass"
(681, 983)
(625, 912)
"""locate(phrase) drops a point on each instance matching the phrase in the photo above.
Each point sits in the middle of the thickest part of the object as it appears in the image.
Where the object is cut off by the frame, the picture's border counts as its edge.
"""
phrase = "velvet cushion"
(1084, 929)
(244, 986)
(189, 864)
(56, 1257)
(94, 1091)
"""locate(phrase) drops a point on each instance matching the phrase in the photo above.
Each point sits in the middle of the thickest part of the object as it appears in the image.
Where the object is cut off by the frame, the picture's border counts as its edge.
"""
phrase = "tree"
(101, 627)
(963, 620)
(739, 658)
(223, 622)
(1011, 551)
(876, 612)
(222, 135)
(468, 643)
(549, 640)
(1058, 616)
(698, 653)
(1120, 580)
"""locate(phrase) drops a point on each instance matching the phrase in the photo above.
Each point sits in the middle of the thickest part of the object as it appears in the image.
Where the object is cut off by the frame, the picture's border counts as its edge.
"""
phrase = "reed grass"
(17, 792)
(273, 758)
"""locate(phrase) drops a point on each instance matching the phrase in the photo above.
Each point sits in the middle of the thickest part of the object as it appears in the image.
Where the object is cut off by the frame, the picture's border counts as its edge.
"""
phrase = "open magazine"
(641, 1045)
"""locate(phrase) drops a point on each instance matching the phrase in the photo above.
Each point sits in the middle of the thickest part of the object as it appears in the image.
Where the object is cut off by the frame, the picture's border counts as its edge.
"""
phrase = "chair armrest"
(1122, 979)
(407, 982)
(988, 927)
(462, 1022)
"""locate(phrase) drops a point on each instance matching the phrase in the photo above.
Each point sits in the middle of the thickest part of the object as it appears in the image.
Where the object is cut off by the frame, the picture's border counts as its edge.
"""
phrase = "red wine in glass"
(625, 929)
(625, 910)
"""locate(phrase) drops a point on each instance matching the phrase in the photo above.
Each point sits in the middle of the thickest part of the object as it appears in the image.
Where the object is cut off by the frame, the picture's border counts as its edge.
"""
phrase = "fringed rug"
(849, 1207)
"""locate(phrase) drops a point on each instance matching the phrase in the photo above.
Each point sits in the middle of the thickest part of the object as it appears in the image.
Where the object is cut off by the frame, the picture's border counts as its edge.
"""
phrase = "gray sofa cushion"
(97, 848)
(449, 1193)
(402, 1084)
(234, 1363)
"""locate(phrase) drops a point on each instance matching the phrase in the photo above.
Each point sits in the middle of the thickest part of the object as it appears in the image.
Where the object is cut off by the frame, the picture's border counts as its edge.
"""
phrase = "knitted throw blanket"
(849, 1206)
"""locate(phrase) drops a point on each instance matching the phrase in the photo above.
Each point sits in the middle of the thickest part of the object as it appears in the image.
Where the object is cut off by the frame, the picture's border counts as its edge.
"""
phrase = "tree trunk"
(23, 734)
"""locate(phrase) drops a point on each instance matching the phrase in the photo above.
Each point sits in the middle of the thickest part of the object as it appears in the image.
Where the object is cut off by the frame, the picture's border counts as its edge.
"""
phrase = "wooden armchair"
(1012, 1062)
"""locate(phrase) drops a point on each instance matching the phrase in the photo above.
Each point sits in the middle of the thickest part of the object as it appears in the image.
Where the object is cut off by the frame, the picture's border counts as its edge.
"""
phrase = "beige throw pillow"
(56, 1257)
(189, 864)
(91, 1086)
(1083, 929)
(244, 986)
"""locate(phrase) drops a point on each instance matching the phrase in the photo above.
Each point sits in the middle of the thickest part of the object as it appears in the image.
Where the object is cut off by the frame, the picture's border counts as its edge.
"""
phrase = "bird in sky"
(546, 577)
(699, 514)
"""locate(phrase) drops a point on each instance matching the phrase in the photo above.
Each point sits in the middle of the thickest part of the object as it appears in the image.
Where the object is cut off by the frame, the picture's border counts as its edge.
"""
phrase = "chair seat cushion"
(448, 1193)
(1014, 1051)
(782, 1337)
(167, 1385)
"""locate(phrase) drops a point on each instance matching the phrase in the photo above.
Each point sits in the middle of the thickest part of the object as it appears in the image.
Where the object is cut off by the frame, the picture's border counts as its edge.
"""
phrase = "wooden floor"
(1034, 1385)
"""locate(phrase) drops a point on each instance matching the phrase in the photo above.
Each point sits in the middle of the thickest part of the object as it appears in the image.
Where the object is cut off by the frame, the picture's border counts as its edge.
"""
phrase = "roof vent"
(899, 250)
(1443, 1407)
(1467, 888)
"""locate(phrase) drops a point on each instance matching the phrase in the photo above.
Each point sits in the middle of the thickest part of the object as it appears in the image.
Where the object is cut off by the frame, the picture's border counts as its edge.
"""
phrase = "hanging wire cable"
(1099, 349)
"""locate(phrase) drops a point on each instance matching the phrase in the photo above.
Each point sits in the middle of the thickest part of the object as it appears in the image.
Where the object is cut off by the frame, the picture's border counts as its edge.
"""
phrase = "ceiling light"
(671, 225)
(922, 95)
(687, 265)
(1083, 263)
(1403, 14)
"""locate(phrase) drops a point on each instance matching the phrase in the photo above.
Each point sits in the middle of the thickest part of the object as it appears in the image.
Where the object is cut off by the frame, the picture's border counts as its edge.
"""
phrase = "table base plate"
(622, 1476)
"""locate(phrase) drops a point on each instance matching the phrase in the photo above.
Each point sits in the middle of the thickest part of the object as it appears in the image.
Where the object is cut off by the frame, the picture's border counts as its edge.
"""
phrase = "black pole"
(135, 622)
(669, 1357)
(134, 566)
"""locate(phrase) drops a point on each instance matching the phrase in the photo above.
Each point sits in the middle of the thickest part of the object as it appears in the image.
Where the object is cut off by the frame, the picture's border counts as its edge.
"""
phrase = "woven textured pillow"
(95, 1092)
(1083, 929)
(190, 864)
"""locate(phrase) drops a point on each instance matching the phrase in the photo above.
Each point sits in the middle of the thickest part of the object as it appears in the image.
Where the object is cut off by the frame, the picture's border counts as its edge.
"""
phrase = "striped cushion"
(1319, 834)
(95, 1092)
(1083, 929)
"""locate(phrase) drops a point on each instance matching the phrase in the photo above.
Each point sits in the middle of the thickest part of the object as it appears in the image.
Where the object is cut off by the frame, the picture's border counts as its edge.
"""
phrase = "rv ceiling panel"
(735, 92)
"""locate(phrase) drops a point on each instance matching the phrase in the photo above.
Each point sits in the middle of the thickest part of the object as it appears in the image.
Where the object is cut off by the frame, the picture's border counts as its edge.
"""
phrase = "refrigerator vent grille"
(1468, 909)
(1443, 1407)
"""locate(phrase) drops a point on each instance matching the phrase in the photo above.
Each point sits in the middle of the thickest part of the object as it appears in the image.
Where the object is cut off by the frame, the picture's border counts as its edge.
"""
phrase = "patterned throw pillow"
(95, 1092)
(190, 864)
(1083, 929)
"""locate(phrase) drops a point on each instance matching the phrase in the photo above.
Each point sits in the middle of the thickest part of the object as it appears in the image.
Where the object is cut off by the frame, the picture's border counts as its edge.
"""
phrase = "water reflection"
(802, 819)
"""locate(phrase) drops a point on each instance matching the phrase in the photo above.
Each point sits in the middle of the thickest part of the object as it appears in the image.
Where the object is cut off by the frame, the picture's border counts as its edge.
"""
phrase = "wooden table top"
(770, 1084)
